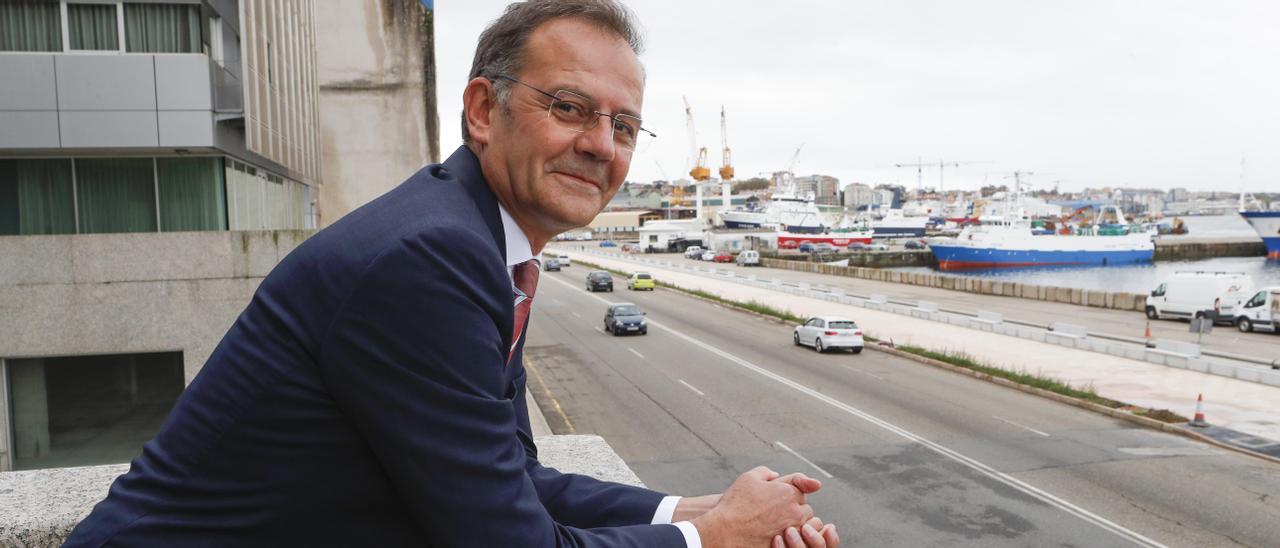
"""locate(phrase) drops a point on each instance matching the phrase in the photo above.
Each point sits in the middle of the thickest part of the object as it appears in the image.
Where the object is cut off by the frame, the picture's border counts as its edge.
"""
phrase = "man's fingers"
(793, 538)
(812, 538)
(762, 473)
(777, 542)
(815, 522)
(806, 513)
(802, 482)
(829, 533)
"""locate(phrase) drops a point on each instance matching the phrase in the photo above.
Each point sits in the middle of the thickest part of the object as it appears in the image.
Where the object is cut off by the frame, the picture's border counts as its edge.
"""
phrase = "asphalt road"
(909, 454)
(1099, 320)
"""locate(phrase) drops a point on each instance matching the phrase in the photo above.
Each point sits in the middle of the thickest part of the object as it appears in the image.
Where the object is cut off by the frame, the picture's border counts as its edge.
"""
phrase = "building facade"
(157, 159)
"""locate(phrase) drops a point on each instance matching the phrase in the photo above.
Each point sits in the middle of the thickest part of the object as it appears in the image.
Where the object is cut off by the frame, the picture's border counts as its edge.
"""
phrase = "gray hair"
(502, 45)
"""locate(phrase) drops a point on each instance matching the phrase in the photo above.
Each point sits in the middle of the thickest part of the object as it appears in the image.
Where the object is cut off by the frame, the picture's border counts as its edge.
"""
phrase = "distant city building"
(825, 188)
(1177, 195)
(858, 195)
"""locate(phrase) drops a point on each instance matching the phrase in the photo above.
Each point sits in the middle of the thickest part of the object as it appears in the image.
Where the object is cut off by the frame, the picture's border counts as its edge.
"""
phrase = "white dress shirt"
(518, 251)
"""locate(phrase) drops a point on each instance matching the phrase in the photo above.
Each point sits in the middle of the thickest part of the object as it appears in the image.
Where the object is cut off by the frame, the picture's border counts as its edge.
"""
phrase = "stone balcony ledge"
(41, 507)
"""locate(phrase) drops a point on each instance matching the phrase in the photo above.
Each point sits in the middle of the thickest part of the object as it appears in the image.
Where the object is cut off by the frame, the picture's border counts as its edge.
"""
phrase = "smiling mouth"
(578, 179)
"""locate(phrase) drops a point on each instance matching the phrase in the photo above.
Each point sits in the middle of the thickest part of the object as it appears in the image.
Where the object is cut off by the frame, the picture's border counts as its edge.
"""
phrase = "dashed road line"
(801, 457)
(1024, 427)
(690, 387)
(633, 351)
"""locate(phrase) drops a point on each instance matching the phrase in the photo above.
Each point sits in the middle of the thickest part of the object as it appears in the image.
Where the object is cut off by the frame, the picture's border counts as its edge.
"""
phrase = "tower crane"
(726, 163)
(942, 165)
(700, 172)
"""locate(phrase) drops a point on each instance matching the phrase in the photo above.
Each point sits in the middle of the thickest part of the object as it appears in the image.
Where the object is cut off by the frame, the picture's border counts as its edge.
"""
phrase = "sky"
(1080, 93)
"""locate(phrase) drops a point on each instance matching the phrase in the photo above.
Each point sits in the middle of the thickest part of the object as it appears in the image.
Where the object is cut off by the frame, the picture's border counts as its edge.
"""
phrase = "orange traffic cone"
(1147, 335)
(1198, 420)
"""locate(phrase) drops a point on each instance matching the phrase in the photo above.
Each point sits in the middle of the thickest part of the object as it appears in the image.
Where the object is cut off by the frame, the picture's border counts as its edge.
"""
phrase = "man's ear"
(479, 105)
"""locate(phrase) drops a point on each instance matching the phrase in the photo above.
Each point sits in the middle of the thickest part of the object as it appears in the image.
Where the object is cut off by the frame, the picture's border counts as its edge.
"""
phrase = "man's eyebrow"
(583, 93)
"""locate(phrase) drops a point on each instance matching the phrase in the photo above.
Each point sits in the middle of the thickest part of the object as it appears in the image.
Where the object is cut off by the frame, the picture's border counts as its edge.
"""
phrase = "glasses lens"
(571, 110)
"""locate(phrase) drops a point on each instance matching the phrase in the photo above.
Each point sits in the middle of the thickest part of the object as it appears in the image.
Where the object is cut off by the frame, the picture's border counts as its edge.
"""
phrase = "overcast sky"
(1152, 93)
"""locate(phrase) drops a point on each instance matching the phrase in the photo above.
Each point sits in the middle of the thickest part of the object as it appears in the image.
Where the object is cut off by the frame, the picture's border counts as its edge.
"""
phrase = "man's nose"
(597, 142)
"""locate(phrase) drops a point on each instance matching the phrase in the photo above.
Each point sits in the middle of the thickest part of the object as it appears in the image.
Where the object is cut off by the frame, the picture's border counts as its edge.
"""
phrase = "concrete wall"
(127, 293)
(1097, 299)
(52, 101)
(378, 120)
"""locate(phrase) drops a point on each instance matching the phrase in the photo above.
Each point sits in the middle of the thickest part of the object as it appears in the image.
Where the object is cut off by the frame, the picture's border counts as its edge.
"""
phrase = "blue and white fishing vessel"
(1014, 242)
(1267, 225)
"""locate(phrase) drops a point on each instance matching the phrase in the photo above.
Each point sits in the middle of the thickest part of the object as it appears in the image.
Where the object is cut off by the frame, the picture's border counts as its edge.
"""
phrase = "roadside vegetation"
(958, 359)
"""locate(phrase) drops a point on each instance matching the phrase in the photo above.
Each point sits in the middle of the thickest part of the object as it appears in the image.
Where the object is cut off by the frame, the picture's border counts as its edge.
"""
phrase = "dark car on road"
(551, 265)
(599, 280)
(914, 244)
(623, 318)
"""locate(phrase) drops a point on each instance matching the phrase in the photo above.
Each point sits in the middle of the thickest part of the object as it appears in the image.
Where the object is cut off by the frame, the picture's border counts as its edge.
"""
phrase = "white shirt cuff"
(666, 510)
(691, 537)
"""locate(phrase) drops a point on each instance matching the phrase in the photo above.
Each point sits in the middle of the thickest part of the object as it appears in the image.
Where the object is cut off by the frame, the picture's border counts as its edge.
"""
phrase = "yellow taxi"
(640, 280)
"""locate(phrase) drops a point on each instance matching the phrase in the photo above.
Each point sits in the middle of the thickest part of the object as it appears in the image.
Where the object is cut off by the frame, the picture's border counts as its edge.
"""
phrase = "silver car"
(823, 332)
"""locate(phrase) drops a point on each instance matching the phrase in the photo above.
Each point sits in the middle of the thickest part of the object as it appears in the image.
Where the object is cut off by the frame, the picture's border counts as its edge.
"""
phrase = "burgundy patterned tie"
(525, 276)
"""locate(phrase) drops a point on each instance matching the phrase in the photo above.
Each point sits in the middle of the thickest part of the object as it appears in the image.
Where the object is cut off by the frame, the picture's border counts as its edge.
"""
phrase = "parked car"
(877, 246)
(564, 260)
(640, 280)
(856, 246)
(693, 252)
(915, 244)
(708, 255)
(825, 332)
(723, 257)
(1260, 311)
(823, 247)
(748, 257)
(608, 243)
(788, 244)
(623, 318)
(599, 280)
(1197, 294)
(551, 265)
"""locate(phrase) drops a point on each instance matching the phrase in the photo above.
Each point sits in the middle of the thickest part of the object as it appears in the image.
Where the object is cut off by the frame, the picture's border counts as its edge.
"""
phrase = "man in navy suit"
(372, 392)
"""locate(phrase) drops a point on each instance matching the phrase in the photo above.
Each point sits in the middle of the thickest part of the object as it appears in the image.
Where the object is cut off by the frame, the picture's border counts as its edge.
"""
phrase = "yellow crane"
(700, 172)
(726, 163)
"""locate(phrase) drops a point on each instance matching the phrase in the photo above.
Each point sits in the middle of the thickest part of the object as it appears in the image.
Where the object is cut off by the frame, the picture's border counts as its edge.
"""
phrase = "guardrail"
(1161, 352)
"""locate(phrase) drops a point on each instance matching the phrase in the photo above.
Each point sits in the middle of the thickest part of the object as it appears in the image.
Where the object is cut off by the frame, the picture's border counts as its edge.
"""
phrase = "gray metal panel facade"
(115, 129)
(106, 82)
(182, 82)
(27, 83)
(28, 129)
(186, 128)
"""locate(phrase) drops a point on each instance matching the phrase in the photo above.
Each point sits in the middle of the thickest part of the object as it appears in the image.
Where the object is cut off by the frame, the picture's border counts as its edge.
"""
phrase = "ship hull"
(1267, 225)
(961, 258)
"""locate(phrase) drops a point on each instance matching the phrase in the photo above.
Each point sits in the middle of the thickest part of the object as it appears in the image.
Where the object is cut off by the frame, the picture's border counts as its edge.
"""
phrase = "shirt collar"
(518, 248)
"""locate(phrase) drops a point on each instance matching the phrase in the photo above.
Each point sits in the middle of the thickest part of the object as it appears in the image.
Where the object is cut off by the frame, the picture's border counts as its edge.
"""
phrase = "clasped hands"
(761, 508)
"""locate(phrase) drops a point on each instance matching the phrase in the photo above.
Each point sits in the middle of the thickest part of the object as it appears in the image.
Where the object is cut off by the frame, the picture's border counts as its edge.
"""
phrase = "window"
(163, 28)
(1257, 300)
(116, 195)
(191, 194)
(30, 25)
(85, 410)
(36, 197)
(92, 27)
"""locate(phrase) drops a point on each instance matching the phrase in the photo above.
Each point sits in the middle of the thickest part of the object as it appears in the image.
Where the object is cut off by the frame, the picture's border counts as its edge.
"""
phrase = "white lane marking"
(633, 351)
(1024, 427)
(977, 466)
(1168, 451)
(576, 315)
(597, 328)
(801, 457)
(872, 375)
(690, 387)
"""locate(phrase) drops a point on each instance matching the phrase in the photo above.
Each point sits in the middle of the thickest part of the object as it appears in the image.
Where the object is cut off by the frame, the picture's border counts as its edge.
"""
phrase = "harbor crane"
(700, 171)
(726, 163)
(942, 165)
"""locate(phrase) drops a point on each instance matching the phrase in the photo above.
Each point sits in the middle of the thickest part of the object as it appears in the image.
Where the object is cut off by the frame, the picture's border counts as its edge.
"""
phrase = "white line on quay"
(1033, 491)
(690, 387)
(1024, 427)
(633, 351)
(597, 328)
(576, 315)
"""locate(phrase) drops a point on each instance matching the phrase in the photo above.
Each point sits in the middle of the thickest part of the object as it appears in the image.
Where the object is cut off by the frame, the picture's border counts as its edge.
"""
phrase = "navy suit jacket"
(363, 397)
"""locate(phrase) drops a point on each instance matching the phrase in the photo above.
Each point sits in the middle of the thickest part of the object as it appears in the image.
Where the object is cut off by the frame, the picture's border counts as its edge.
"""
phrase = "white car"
(564, 260)
(708, 255)
(693, 252)
(823, 332)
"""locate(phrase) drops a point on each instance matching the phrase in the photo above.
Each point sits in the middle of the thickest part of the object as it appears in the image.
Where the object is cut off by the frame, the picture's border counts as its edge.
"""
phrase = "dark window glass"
(92, 26)
(116, 195)
(192, 195)
(30, 25)
(36, 197)
(843, 325)
(85, 410)
(162, 28)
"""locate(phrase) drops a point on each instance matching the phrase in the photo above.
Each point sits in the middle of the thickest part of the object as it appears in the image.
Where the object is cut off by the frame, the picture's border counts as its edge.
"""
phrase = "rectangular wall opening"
(87, 410)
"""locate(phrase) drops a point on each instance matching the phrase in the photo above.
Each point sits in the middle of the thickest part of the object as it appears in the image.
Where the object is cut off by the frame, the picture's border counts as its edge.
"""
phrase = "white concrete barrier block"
(927, 306)
(1135, 353)
(804, 286)
(1271, 379)
(1221, 369)
(1069, 330)
(1198, 364)
(1176, 361)
(775, 281)
(990, 317)
(1154, 357)
(879, 299)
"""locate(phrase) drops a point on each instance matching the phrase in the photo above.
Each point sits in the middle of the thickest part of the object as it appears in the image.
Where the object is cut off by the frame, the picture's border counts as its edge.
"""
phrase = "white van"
(1261, 311)
(693, 252)
(1196, 294)
(748, 258)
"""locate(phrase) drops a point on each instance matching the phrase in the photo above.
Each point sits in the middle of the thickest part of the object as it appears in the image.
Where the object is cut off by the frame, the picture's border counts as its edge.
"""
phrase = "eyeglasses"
(577, 113)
